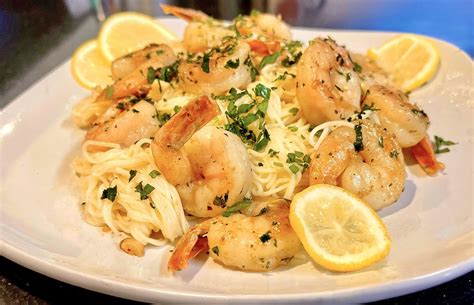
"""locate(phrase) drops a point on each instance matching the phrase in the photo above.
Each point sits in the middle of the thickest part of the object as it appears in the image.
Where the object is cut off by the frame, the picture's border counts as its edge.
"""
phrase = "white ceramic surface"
(41, 226)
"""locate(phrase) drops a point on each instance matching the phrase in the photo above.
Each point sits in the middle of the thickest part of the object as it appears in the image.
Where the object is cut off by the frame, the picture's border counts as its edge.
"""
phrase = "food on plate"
(206, 141)
(88, 66)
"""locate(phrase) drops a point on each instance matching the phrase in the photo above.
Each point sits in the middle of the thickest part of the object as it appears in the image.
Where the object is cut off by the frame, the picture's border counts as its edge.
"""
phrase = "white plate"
(41, 225)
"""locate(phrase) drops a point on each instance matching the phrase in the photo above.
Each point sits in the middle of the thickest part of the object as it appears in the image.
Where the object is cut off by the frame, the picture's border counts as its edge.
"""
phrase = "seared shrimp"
(376, 172)
(202, 31)
(209, 167)
(405, 120)
(261, 241)
(129, 126)
(123, 66)
(218, 71)
(327, 88)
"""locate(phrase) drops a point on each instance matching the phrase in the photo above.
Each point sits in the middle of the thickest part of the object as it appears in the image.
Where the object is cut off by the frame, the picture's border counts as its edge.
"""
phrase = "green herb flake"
(237, 207)
(144, 191)
(394, 154)
(109, 91)
(293, 111)
(440, 142)
(268, 60)
(215, 250)
(358, 144)
(293, 128)
(205, 62)
(357, 67)
(273, 153)
(265, 237)
(232, 64)
(380, 141)
(154, 173)
(150, 75)
(221, 200)
(109, 193)
(133, 173)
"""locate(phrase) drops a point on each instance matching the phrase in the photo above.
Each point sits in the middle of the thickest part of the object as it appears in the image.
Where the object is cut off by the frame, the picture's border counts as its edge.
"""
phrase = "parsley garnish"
(253, 71)
(237, 207)
(269, 59)
(284, 75)
(133, 173)
(109, 193)
(394, 154)
(273, 153)
(358, 145)
(205, 61)
(439, 142)
(144, 191)
(298, 161)
(109, 91)
(265, 237)
(232, 64)
(150, 75)
(215, 250)
(357, 67)
(293, 111)
(154, 173)
(221, 200)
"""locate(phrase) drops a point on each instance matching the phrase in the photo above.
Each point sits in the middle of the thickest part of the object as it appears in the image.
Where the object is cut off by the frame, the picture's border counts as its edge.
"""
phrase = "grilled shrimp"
(209, 167)
(405, 120)
(129, 126)
(327, 87)
(376, 172)
(218, 71)
(261, 240)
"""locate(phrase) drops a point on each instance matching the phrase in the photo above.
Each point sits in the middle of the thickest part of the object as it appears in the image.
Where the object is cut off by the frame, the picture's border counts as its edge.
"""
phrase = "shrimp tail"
(183, 13)
(424, 155)
(188, 247)
(180, 128)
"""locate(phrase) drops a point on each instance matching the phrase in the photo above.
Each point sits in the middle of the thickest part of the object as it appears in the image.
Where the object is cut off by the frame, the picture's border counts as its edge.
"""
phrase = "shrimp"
(370, 73)
(126, 128)
(209, 167)
(405, 120)
(270, 26)
(259, 241)
(326, 86)
(123, 66)
(217, 71)
(202, 31)
(375, 173)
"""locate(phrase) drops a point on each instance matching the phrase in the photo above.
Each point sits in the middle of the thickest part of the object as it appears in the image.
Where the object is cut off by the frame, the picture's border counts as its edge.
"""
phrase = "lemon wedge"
(412, 60)
(123, 33)
(88, 67)
(338, 230)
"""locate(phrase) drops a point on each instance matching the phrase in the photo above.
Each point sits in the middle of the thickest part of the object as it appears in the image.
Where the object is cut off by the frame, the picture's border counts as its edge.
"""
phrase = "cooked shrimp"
(123, 66)
(259, 241)
(129, 126)
(202, 32)
(375, 173)
(218, 71)
(326, 88)
(209, 167)
(405, 120)
(267, 25)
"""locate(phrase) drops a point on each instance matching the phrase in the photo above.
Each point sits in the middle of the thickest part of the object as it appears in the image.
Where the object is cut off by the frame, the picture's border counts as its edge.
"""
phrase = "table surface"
(37, 37)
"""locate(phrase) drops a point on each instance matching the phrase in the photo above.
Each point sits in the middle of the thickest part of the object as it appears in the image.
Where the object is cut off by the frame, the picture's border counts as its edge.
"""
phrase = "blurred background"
(37, 36)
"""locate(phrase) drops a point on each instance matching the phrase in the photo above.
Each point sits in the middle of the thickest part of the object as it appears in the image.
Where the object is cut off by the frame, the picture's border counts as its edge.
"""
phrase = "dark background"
(37, 36)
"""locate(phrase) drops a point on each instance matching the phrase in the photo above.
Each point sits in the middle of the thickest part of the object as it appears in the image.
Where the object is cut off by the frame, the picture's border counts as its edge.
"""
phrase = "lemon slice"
(126, 32)
(411, 59)
(88, 67)
(338, 230)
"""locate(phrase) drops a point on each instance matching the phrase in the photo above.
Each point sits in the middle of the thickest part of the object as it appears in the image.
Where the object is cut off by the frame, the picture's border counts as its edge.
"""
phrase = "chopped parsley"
(221, 200)
(133, 173)
(176, 109)
(232, 64)
(253, 71)
(205, 61)
(120, 106)
(357, 67)
(293, 128)
(293, 111)
(144, 191)
(265, 237)
(154, 173)
(298, 161)
(109, 91)
(269, 59)
(440, 142)
(150, 75)
(283, 76)
(237, 207)
(163, 118)
(109, 193)
(394, 154)
(215, 250)
(273, 153)
(358, 144)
